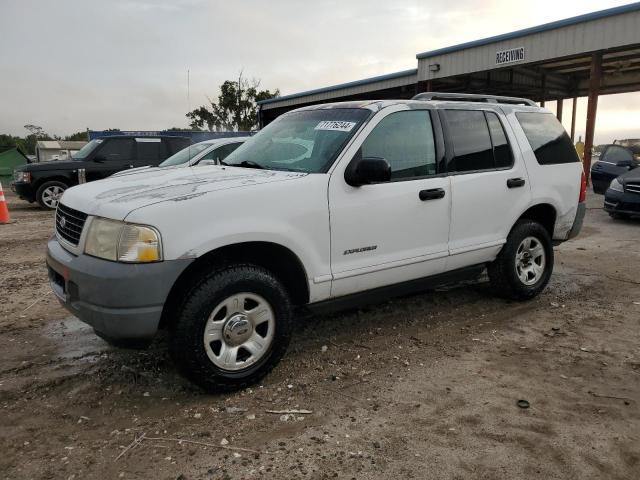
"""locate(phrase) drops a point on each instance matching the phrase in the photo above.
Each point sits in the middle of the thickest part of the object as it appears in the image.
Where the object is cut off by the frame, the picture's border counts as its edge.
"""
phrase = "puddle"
(74, 339)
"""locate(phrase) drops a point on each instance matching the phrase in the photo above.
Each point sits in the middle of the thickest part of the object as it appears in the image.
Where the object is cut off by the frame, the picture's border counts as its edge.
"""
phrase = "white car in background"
(209, 152)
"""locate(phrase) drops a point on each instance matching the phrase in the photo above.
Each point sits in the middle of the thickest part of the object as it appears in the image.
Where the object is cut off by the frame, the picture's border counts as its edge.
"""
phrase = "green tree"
(78, 136)
(235, 109)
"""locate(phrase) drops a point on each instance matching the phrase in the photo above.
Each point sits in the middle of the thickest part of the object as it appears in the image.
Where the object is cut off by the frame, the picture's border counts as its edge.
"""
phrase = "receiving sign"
(335, 125)
(509, 56)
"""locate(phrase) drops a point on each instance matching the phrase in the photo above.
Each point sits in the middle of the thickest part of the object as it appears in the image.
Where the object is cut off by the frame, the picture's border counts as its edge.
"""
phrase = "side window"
(150, 151)
(615, 154)
(471, 142)
(222, 152)
(117, 149)
(547, 137)
(502, 154)
(405, 140)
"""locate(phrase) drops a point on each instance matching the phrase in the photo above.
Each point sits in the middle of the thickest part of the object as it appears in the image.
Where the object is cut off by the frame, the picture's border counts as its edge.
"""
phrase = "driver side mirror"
(367, 170)
(99, 159)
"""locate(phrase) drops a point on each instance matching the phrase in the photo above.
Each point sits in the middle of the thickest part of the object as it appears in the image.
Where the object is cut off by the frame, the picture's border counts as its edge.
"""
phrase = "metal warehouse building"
(588, 55)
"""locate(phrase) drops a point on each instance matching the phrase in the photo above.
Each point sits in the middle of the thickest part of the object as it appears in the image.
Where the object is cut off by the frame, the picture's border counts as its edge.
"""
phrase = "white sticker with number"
(335, 125)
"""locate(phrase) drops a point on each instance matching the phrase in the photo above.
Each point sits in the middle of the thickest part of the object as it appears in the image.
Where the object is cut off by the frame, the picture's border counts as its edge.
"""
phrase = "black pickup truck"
(45, 182)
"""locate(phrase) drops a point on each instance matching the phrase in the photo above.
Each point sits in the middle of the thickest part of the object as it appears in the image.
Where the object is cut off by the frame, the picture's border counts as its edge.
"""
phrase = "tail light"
(583, 188)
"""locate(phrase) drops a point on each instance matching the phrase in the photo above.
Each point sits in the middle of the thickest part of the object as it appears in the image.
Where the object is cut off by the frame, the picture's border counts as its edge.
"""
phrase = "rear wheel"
(49, 194)
(523, 267)
(233, 328)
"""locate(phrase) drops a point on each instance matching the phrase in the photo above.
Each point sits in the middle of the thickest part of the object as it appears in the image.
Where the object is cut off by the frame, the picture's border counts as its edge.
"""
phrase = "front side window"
(405, 140)
(470, 139)
(303, 141)
(116, 149)
(547, 137)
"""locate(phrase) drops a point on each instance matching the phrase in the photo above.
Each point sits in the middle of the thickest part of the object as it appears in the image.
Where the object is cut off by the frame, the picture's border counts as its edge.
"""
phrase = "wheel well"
(279, 260)
(544, 214)
(42, 181)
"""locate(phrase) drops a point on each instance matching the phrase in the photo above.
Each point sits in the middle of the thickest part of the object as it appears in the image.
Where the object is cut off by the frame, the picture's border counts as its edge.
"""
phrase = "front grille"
(69, 223)
(633, 187)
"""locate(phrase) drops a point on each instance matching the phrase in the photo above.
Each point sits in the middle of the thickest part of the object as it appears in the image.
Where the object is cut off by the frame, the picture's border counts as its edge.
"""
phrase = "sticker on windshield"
(335, 125)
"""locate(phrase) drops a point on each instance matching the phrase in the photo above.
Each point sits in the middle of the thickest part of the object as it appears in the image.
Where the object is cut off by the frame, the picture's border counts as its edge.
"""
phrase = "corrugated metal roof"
(632, 7)
(365, 81)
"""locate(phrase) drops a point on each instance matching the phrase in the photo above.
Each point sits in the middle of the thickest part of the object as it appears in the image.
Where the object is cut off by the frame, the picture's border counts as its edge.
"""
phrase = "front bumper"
(624, 203)
(120, 301)
(24, 191)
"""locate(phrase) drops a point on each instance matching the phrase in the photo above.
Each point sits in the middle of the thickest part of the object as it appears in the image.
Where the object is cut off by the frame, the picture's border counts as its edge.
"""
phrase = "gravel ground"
(424, 386)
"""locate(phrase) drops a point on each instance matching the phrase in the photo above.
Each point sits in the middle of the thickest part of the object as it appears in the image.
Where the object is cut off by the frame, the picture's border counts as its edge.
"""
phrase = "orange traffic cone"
(4, 211)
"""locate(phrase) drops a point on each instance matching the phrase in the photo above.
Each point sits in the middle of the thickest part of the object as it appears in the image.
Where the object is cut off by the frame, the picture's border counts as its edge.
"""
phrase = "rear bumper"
(578, 221)
(120, 301)
(622, 202)
(24, 191)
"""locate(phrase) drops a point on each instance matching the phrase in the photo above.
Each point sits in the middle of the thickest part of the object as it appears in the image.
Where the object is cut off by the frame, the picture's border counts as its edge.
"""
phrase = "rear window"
(547, 137)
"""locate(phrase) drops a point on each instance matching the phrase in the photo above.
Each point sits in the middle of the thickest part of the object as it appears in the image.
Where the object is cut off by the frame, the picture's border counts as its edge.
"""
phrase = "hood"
(630, 176)
(115, 197)
(51, 165)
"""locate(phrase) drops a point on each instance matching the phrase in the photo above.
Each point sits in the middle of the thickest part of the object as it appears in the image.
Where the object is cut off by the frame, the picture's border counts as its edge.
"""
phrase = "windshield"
(185, 155)
(87, 149)
(306, 141)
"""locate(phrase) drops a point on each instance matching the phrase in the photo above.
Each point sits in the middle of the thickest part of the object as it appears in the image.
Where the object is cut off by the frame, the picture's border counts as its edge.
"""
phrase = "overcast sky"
(68, 65)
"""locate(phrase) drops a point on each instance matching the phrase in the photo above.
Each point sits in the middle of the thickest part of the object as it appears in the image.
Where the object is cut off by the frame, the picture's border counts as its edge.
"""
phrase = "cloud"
(88, 63)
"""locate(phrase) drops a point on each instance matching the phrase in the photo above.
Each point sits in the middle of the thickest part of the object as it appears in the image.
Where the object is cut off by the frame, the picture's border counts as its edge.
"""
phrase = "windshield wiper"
(248, 164)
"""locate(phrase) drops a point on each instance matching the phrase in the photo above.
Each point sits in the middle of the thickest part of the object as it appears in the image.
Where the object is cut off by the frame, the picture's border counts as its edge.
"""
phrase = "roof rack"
(473, 97)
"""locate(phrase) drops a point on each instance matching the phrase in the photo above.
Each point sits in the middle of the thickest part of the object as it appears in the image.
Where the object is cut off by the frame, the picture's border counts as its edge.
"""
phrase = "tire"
(207, 365)
(506, 272)
(49, 193)
(619, 216)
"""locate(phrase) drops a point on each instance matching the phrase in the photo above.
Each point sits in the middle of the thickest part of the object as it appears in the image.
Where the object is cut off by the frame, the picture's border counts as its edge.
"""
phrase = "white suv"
(329, 204)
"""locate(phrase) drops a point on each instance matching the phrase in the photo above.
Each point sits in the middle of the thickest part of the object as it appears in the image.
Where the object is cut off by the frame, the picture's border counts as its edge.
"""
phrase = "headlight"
(19, 176)
(616, 185)
(123, 242)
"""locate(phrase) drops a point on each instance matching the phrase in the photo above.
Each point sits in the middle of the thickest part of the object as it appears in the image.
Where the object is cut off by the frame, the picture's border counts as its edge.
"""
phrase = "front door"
(114, 155)
(396, 231)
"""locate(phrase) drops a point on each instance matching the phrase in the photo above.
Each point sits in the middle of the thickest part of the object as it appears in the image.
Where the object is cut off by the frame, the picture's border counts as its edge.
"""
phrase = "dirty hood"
(115, 197)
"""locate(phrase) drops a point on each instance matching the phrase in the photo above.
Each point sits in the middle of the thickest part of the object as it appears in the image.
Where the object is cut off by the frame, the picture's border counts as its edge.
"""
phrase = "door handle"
(515, 182)
(431, 194)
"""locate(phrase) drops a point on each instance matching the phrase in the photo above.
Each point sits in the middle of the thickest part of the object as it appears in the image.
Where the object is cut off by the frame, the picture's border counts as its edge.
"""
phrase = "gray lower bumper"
(579, 220)
(120, 301)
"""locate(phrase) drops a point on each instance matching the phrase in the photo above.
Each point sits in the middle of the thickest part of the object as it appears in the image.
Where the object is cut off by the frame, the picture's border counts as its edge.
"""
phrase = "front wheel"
(233, 328)
(523, 267)
(49, 194)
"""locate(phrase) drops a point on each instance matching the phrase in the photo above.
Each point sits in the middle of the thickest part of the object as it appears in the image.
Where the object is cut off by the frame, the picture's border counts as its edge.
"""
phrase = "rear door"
(489, 187)
(114, 155)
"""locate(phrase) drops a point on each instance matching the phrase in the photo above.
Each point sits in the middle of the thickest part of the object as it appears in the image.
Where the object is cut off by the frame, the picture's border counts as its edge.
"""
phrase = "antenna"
(188, 90)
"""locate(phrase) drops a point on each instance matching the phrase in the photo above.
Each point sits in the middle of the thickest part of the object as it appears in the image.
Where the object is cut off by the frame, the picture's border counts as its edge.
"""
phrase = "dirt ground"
(419, 387)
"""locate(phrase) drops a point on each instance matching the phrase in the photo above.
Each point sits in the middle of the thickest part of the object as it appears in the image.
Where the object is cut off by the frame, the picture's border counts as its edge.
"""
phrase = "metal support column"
(544, 89)
(573, 119)
(592, 107)
(559, 103)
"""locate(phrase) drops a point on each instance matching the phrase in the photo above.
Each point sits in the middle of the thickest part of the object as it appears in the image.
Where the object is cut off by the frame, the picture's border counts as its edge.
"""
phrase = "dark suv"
(45, 182)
